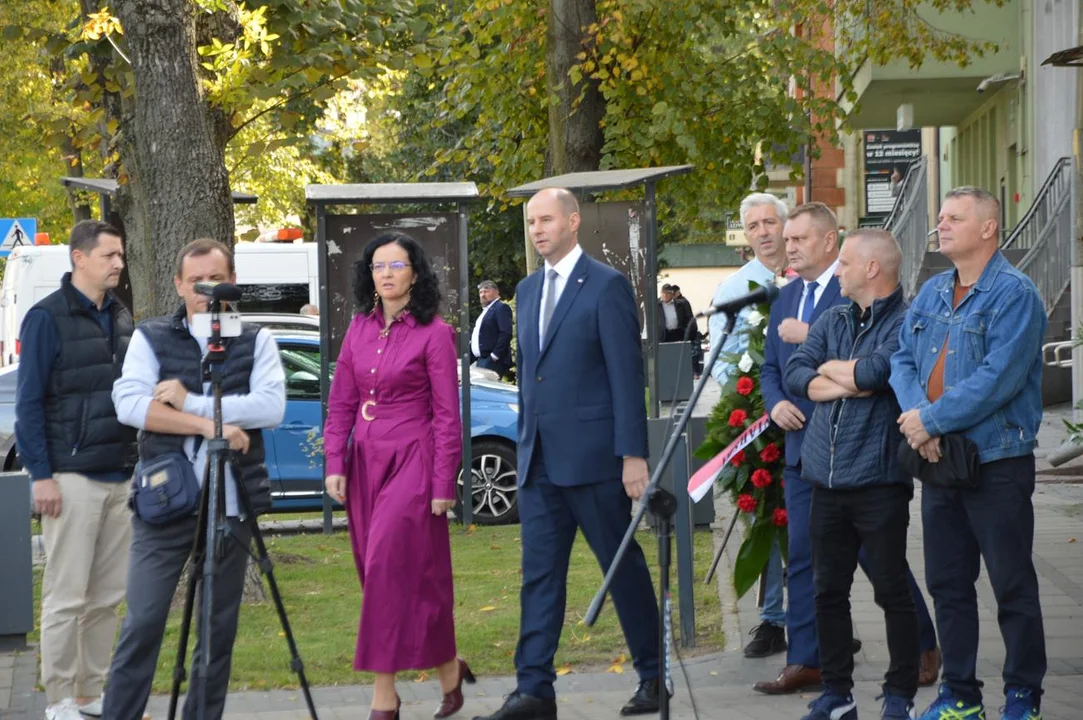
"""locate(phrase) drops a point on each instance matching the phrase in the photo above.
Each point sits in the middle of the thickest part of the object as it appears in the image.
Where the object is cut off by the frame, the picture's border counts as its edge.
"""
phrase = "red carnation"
(738, 459)
(746, 503)
(780, 518)
(737, 418)
(770, 453)
(745, 386)
(761, 478)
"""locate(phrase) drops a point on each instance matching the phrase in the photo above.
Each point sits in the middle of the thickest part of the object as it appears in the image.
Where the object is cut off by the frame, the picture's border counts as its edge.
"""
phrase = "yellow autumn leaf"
(422, 676)
(564, 670)
(487, 608)
(618, 665)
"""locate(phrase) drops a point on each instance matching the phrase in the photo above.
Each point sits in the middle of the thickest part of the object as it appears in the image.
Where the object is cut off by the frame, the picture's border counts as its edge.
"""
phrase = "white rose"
(755, 319)
(745, 364)
(781, 281)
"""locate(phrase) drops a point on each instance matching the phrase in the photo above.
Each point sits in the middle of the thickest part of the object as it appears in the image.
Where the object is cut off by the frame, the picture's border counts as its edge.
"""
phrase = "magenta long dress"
(399, 397)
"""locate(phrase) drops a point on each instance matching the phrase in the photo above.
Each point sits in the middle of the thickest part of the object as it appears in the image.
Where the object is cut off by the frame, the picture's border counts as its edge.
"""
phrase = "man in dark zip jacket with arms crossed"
(860, 496)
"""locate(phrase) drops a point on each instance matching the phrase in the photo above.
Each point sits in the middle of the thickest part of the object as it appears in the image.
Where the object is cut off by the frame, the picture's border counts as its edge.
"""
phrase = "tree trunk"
(177, 187)
(575, 132)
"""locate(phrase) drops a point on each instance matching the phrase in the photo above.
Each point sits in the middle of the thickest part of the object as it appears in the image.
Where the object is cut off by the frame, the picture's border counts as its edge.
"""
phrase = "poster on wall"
(888, 157)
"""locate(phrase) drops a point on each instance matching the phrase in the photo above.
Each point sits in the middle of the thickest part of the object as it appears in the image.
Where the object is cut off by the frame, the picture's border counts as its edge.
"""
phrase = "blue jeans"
(994, 522)
(773, 611)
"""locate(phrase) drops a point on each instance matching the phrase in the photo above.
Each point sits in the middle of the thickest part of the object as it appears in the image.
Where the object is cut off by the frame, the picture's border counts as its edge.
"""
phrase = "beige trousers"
(86, 573)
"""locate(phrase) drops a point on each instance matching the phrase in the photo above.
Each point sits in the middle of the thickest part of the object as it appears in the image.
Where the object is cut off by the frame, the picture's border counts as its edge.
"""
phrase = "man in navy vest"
(162, 392)
(79, 457)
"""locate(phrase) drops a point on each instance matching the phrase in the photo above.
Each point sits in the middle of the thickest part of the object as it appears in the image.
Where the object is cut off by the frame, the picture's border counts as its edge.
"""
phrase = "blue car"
(295, 457)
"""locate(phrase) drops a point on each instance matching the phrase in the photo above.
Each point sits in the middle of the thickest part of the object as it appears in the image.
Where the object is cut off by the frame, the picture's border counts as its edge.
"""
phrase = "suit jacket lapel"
(567, 297)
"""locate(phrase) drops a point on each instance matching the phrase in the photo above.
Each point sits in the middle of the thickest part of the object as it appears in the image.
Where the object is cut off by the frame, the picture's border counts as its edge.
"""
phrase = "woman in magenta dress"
(395, 390)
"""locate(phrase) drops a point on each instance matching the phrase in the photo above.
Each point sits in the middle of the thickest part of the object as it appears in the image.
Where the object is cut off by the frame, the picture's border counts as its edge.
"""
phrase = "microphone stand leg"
(663, 505)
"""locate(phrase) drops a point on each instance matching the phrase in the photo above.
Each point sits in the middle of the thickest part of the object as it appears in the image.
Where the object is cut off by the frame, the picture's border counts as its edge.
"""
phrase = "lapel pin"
(580, 281)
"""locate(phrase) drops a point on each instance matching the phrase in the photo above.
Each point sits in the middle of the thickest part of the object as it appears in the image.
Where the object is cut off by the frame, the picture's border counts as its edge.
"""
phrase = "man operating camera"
(162, 392)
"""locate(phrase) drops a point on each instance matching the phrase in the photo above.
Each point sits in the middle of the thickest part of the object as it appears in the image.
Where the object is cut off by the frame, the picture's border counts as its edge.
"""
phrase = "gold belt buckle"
(364, 410)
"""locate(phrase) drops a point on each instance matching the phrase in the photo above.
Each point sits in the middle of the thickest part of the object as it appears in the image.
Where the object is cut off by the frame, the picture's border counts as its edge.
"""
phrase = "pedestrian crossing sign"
(16, 232)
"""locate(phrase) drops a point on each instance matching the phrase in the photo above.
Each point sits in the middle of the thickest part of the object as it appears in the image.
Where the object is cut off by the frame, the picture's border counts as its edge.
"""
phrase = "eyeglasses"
(394, 265)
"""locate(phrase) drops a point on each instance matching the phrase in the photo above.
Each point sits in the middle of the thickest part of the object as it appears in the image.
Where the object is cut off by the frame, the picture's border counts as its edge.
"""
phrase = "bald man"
(582, 453)
(860, 498)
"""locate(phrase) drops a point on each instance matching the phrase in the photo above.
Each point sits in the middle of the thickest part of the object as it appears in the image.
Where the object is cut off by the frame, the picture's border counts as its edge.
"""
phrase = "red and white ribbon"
(706, 476)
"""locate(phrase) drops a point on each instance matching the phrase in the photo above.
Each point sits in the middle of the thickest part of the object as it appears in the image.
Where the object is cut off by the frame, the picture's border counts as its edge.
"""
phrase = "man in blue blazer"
(812, 251)
(490, 343)
(811, 236)
(582, 452)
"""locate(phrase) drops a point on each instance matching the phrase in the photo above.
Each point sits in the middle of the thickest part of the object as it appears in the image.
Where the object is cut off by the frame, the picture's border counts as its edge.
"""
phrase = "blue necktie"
(810, 302)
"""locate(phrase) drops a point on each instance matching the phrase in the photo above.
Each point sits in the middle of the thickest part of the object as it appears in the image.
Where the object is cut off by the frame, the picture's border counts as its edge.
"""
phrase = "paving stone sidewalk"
(721, 683)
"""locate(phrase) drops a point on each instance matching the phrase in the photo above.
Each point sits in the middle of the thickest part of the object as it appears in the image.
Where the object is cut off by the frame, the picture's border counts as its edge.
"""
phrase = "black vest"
(82, 432)
(179, 357)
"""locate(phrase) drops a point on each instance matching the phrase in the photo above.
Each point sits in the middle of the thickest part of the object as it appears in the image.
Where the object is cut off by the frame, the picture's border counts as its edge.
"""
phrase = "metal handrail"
(1054, 192)
(1046, 233)
(908, 221)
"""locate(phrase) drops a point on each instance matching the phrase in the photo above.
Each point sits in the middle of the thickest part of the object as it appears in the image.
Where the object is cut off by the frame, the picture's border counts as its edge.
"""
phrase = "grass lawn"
(319, 584)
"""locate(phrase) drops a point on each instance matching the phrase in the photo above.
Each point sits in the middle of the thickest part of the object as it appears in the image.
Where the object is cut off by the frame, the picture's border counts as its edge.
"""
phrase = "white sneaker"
(93, 709)
(66, 709)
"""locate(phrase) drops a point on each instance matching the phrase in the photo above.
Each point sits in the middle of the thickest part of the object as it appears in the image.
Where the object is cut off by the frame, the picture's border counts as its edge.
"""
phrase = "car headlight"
(514, 407)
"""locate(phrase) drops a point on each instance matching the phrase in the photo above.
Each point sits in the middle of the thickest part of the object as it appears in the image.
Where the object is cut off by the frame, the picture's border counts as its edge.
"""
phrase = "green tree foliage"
(30, 169)
(262, 74)
(701, 82)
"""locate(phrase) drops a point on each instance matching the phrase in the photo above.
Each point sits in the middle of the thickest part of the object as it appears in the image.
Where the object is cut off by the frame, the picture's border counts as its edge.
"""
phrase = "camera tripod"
(213, 532)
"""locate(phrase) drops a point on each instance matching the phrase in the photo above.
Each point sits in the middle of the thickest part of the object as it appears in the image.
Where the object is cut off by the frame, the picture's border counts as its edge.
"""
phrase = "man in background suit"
(582, 452)
(812, 250)
(490, 343)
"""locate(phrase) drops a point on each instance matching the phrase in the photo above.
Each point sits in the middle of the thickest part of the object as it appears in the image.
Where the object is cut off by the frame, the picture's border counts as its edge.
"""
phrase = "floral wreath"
(753, 476)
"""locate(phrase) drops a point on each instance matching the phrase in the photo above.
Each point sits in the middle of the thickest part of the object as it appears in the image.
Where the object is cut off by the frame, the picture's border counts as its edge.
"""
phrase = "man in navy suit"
(490, 343)
(812, 251)
(582, 452)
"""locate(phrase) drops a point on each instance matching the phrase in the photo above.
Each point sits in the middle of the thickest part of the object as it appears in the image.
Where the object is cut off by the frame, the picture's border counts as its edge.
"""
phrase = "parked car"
(294, 450)
(283, 321)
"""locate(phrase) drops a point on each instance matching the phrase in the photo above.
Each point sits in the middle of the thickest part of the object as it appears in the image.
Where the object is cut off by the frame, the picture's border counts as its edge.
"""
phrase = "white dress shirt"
(564, 271)
(262, 408)
(475, 337)
(822, 282)
(669, 310)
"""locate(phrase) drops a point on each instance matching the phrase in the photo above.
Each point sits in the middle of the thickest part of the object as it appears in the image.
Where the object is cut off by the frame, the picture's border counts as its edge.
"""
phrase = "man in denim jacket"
(969, 362)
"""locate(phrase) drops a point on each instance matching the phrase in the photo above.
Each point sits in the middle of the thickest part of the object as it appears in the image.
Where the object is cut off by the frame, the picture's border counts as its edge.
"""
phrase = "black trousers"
(840, 523)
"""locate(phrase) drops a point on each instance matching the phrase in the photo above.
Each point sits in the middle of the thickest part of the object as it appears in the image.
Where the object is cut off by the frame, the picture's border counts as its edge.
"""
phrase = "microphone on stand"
(764, 294)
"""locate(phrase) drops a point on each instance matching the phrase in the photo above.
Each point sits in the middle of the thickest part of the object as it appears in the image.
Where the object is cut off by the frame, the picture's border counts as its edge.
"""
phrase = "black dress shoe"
(518, 706)
(855, 646)
(645, 700)
(767, 639)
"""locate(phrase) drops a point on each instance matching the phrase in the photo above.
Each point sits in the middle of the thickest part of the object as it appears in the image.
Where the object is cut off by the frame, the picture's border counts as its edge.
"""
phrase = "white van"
(275, 278)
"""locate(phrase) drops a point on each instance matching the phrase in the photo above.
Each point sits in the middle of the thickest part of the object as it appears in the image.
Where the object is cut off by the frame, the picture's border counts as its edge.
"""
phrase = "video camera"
(229, 323)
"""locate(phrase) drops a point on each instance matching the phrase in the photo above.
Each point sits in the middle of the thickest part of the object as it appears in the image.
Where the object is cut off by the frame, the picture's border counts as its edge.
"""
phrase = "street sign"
(15, 232)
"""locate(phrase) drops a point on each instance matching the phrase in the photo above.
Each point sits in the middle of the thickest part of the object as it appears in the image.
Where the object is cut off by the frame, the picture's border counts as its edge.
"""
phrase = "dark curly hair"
(424, 296)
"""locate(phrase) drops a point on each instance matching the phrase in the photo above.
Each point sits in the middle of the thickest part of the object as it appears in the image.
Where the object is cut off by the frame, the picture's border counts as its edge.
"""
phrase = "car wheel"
(495, 487)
